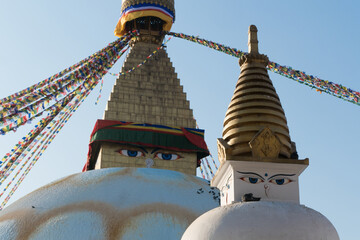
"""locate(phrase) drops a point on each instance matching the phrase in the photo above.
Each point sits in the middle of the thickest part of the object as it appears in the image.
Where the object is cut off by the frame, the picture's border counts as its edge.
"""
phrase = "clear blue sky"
(39, 38)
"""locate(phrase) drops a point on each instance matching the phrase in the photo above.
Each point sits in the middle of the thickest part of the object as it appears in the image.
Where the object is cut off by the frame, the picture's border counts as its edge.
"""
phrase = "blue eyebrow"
(285, 175)
(252, 173)
(143, 149)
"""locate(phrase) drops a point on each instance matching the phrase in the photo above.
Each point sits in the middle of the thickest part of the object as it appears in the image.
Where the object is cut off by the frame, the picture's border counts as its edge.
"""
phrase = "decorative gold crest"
(222, 146)
(265, 144)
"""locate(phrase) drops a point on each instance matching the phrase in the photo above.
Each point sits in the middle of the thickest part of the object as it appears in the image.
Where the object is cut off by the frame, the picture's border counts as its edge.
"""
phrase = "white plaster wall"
(226, 187)
(115, 203)
(261, 220)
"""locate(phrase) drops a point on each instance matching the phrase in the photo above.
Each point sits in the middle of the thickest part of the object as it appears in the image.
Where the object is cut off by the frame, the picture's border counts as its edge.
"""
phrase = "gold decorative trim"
(270, 160)
(166, 3)
(254, 58)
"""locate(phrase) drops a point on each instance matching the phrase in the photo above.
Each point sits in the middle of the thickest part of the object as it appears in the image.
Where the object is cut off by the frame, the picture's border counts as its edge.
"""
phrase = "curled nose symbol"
(149, 162)
(266, 187)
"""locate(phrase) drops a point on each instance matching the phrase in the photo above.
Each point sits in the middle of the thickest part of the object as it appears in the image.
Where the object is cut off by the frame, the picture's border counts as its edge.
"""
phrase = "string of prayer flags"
(216, 167)
(123, 40)
(21, 107)
(143, 62)
(208, 165)
(62, 97)
(206, 171)
(320, 85)
(45, 139)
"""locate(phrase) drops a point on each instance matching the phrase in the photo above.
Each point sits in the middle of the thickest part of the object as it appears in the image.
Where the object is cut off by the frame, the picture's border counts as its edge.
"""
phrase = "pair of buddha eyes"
(277, 181)
(159, 155)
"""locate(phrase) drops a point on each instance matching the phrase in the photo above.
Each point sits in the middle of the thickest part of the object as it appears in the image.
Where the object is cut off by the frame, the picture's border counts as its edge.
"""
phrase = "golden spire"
(255, 124)
(253, 42)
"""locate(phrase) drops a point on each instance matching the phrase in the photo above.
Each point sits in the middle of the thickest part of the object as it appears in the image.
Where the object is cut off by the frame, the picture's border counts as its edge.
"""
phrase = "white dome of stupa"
(261, 220)
(114, 203)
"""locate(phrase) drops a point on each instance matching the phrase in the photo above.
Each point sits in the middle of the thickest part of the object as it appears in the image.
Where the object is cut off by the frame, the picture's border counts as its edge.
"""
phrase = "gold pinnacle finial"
(253, 43)
(255, 124)
(253, 55)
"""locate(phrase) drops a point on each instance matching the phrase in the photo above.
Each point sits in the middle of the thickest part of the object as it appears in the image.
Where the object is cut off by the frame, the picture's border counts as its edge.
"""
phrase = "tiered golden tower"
(255, 117)
(150, 95)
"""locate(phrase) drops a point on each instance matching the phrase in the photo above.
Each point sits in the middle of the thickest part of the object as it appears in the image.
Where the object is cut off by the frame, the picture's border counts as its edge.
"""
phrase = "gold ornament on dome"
(265, 144)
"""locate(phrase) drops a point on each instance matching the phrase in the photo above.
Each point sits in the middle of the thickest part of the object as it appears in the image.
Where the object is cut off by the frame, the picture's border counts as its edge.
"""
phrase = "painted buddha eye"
(252, 180)
(131, 153)
(281, 181)
(167, 156)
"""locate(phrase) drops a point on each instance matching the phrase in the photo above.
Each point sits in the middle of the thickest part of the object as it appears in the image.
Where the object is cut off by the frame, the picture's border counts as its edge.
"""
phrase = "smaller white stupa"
(259, 174)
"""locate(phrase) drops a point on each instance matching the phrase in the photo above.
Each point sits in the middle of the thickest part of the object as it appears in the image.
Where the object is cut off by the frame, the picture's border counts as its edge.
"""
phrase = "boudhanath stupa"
(139, 180)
